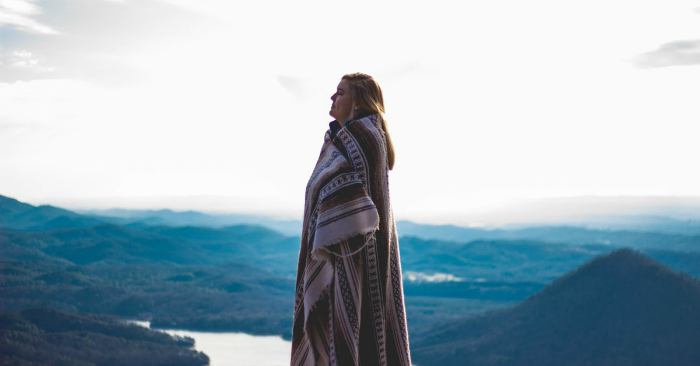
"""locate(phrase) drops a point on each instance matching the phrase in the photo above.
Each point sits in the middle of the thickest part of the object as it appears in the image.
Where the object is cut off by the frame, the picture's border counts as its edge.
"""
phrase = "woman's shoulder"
(363, 141)
(370, 121)
(366, 128)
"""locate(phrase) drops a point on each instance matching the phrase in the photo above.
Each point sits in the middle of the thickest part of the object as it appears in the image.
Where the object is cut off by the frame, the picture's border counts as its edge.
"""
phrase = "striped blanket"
(349, 307)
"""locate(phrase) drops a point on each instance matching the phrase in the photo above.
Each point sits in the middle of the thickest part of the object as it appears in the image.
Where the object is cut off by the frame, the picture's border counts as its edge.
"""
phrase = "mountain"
(234, 278)
(241, 277)
(569, 235)
(38, 336)
(17, 215)
(648, 223)
(118, 245)
(619, 309)
(619, 231)
(145, 218)
(102, 243)
(516, 260)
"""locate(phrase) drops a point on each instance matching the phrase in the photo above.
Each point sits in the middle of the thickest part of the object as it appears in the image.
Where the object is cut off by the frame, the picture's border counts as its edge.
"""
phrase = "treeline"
(242, 278)
(38, 336)
(135, 278)
(622, 309)
(231, 297)
(523, 260)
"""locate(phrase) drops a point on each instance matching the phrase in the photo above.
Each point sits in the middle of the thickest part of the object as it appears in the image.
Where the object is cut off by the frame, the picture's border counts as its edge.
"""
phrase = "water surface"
(236, 349)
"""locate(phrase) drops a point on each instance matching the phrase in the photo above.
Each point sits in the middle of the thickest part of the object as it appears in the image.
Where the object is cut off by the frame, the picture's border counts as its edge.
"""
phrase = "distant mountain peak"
(16, 215)
(616, 278)
(622, 308)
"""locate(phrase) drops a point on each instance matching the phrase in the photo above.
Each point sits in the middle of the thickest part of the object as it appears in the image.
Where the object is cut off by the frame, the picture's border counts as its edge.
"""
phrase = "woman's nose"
(333, 97)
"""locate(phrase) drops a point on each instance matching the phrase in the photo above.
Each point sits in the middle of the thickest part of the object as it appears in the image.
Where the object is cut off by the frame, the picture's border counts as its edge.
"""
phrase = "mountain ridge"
(619, 309)
(41, 336)
(686, 238)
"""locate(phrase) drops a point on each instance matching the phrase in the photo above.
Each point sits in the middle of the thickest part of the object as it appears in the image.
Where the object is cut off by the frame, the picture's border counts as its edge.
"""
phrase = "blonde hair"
(368, 98)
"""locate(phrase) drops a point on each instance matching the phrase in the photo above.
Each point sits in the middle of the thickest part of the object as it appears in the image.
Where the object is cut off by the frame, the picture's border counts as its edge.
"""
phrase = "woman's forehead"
(343, 85)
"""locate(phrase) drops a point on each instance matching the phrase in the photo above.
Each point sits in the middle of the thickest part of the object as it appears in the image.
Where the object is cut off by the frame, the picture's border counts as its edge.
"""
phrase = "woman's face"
(341, 109)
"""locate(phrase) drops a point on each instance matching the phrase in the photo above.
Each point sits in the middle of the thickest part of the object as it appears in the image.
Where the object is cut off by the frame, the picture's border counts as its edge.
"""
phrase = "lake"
(236, 349)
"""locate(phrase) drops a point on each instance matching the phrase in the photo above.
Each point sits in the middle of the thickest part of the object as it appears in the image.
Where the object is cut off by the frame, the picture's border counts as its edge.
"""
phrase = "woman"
(349, 307)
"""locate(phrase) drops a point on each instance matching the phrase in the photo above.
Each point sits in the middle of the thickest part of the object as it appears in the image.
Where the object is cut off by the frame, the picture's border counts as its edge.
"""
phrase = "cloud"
(24, 59)
(220, 9)
(23, 62)
(20, 13)
(292, 84)
(676, 53)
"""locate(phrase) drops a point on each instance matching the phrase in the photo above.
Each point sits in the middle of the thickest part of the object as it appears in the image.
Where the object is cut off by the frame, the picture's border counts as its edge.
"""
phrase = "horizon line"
(525, 211)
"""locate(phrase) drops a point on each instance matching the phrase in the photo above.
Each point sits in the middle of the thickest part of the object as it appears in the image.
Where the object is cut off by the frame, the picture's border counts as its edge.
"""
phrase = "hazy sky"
(222, 104)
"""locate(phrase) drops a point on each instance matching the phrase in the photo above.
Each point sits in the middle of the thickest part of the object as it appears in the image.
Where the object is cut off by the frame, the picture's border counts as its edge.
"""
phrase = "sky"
(221, 105)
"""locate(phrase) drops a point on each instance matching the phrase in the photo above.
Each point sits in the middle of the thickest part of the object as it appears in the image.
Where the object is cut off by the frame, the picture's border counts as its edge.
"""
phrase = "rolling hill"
(620, 309)
(38, 336)
(17, 215)
(241, 277)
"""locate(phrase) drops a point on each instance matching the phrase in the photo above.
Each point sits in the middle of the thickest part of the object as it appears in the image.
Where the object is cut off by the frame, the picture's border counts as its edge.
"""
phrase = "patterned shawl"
(349, 307)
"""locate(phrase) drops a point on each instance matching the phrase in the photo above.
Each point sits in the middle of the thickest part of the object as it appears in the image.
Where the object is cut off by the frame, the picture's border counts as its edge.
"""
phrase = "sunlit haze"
(222, 106)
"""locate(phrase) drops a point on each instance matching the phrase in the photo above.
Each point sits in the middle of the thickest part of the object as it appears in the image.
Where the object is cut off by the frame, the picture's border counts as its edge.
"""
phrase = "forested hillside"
(41, 336)
(620, 309)
(242, 277)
